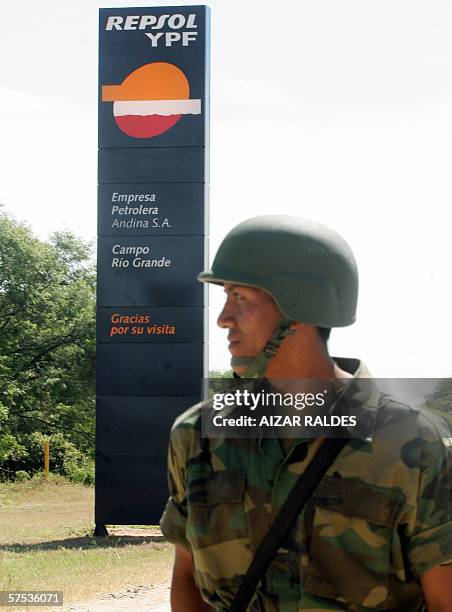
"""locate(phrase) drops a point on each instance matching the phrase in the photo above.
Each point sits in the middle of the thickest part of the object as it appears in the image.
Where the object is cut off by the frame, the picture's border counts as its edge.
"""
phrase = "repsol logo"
(175, 23)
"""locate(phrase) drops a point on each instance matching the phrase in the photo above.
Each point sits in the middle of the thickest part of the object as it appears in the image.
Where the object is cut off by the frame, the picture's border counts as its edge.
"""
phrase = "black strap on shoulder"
(286, 517)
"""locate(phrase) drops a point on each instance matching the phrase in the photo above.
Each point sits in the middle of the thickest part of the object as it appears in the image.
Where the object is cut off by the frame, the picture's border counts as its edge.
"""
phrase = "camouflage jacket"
(379, 519)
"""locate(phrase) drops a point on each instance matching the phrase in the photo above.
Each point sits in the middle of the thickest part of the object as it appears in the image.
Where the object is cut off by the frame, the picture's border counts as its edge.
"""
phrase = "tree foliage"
(47, 341)
(220, 373)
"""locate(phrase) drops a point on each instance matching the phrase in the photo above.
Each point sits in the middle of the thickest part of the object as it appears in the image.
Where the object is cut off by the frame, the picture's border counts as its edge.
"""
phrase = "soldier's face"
(251, 316)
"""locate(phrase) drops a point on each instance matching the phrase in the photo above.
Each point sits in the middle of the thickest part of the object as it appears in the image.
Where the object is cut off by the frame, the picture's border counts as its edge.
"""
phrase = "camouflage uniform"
(380, 518)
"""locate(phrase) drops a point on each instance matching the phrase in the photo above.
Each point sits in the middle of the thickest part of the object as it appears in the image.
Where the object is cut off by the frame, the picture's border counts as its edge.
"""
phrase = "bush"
(21, 476)
(64, 458)
(79, 472)
(55, 479)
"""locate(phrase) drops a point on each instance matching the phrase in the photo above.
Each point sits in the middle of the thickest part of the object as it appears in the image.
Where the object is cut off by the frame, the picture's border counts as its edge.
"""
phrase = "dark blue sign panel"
(160, 209)
(153, 165)
(130, 436)
(150, 324)
(130, 489)
(153, 71)
(149, 369)
(179, 165)
(150, 271)
(131, 461)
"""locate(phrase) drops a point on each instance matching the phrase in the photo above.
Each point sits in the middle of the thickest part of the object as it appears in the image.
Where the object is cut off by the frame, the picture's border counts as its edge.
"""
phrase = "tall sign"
(152, 211)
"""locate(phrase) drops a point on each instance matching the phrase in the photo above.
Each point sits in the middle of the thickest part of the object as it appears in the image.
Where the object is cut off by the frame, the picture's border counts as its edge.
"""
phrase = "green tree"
(220, 373)
(47, 341)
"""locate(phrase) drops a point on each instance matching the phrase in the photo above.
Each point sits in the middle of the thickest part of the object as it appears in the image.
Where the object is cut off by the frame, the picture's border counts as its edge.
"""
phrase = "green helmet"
(305, 266)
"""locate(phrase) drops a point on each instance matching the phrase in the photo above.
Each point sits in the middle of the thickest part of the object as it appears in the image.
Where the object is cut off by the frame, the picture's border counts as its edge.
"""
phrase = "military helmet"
(307, 268)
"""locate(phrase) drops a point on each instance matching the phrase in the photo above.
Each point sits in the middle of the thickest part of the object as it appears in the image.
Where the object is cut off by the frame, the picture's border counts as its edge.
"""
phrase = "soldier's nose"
(226, 318)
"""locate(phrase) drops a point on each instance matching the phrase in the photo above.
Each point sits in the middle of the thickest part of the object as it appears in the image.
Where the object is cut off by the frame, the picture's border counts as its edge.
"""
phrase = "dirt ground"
(46, 539)
(139, 598)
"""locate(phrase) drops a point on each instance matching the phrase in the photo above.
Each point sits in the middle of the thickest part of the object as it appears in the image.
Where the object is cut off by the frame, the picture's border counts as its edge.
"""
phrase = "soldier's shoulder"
(433, 427)
(185, 435)
(418, 421)
(189, 419)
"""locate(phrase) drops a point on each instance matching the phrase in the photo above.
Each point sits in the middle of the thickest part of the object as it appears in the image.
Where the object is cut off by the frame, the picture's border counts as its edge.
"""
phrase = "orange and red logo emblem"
(151, 100)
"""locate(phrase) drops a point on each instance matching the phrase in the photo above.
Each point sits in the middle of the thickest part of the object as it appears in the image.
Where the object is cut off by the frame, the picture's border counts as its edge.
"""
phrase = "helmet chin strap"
(257, 366)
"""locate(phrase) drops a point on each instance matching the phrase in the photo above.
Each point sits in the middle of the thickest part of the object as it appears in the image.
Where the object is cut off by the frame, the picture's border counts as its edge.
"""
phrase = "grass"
(46, 543)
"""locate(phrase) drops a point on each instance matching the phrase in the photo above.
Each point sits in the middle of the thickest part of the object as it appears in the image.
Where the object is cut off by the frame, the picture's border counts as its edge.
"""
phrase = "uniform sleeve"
(174, 518)
(430, 542)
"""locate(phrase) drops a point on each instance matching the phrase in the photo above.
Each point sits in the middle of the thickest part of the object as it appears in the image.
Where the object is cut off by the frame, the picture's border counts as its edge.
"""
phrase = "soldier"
(376, 534)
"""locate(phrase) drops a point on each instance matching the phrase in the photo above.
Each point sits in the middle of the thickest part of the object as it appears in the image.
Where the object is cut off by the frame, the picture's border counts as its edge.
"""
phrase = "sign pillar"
(152, 242)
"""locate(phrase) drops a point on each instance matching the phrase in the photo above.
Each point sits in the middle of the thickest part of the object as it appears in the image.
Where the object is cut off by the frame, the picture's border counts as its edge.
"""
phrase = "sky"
(337, 111)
